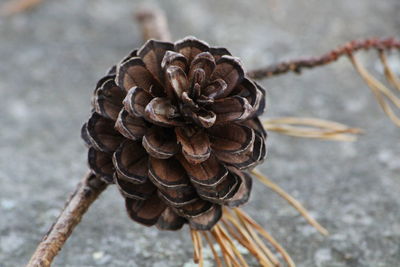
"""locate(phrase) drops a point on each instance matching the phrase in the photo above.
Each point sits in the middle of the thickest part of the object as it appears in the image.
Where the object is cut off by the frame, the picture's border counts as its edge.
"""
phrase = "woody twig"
(298, 65)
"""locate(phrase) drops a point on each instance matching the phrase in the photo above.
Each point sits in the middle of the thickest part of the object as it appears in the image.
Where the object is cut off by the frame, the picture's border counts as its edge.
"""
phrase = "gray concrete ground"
(51, 58)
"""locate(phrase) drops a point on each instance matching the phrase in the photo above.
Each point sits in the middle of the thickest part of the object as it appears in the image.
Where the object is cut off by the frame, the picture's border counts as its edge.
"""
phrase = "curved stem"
(84, 195)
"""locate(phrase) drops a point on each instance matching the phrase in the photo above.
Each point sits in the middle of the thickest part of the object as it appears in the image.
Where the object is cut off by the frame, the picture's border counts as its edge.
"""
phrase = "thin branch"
(298, 65)
(85, 194)
(153, 24)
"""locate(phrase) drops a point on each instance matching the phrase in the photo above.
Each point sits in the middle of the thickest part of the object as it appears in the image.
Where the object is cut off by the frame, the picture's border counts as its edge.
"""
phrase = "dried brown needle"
(197, 245)
(254, 243)
(252, 224)
(383, 95)
(312, 128)
(390, 76)
(291, 200)
(211, 245)
(236, 225)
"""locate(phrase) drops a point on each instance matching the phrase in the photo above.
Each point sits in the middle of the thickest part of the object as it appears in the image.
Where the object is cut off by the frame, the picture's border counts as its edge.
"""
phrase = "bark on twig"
(298, 65)
(85, 194)
(153, 25)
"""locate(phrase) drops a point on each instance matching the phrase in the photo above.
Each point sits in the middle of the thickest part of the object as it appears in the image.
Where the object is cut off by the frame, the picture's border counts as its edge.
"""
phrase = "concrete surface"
(50, 61)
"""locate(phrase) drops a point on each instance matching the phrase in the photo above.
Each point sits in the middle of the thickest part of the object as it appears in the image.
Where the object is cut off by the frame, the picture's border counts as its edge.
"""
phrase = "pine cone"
(174, 126)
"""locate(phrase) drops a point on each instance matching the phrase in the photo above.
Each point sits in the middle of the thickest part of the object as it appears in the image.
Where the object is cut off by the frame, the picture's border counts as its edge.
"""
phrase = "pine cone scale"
(101, 133)
(228, 69)
(136, 101)
(162, 112)
(207, 173)
(129, 126)
(152, 53)
(133, 72)
(133, 190)
(101, 165)
(207, 219)
(232, 138)
(167, 173)
(195, 144)
(160, 143)
(107, 99)
(130, 162)
(169, 220)
(178, 197)
(147, 211)
(190, 47)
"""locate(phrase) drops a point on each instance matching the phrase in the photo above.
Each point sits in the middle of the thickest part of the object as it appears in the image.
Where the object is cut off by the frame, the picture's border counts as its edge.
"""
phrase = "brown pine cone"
(174, 126)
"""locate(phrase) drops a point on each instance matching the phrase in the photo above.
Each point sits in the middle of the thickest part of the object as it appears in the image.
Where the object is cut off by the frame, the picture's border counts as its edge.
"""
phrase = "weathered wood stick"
(84, 195)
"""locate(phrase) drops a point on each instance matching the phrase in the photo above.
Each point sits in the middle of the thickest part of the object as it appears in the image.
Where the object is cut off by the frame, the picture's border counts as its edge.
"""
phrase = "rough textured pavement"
(50, 61)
